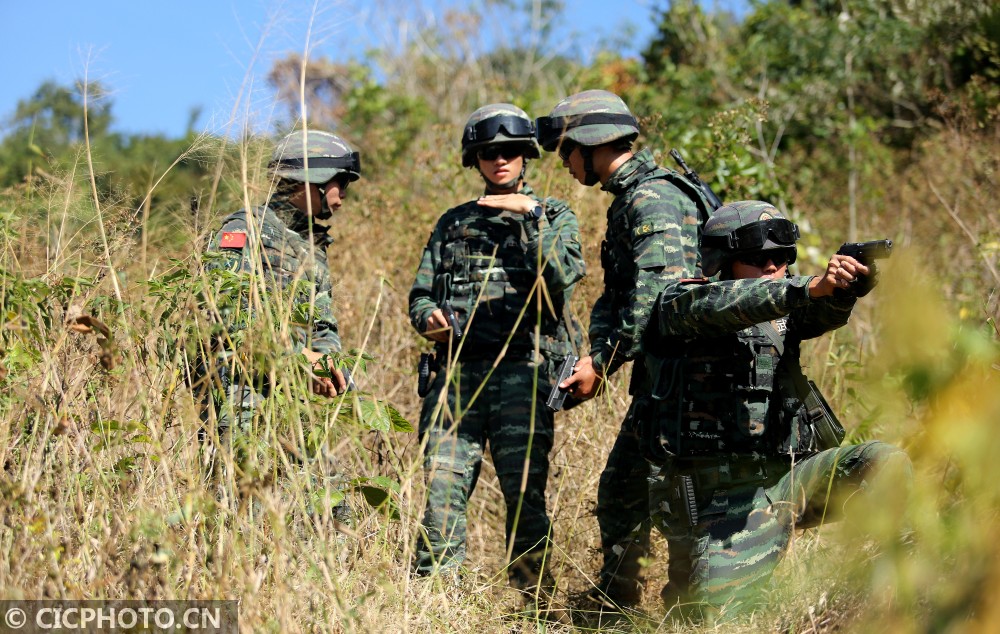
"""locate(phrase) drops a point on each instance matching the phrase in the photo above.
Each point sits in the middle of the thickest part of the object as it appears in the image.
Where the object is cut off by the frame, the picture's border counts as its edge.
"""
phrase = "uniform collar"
(295, 220)
(630, 172)
(525, 189)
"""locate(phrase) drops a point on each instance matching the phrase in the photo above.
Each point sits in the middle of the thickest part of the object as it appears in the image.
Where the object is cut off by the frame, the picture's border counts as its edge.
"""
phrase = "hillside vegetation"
(861, 119)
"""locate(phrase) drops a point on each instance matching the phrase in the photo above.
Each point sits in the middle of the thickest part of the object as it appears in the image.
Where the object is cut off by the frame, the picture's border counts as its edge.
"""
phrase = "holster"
(827, 430)
(426, 367)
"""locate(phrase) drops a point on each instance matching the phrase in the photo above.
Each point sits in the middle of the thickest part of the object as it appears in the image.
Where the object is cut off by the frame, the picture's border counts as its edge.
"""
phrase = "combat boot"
(615, 594)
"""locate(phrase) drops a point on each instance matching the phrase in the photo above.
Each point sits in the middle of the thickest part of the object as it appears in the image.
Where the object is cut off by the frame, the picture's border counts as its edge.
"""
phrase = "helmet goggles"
(770, 233)
(551, 129)
(350, 163)
(487, 129)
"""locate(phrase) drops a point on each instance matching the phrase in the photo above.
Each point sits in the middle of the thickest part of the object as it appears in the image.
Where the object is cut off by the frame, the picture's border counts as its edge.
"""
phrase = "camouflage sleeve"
(601, 322)
(557, 236)
(325, 331)
(233, 258)
(422, 300)
(702, 308)
(822, 315)
(665, 230)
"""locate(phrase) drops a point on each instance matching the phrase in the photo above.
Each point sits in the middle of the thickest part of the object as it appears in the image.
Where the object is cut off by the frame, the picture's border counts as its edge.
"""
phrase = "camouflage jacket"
(651, 238)
(723, 359)
(486, 263)
(287, 259)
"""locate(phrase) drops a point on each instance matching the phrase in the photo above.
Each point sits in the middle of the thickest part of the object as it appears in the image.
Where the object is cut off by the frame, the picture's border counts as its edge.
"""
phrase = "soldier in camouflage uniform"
(651, 238)
(748, 447)
(282, 242)
(507, 264)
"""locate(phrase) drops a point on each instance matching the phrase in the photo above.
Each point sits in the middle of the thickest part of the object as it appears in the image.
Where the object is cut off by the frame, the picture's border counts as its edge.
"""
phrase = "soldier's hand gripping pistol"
(557, 397)
(866, 253)
(442, 290)
(449, 314)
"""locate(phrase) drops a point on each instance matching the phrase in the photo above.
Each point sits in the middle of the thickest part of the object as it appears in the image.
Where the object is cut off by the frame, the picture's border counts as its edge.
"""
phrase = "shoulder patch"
(233, 240)
(694, 280)
(648, 227)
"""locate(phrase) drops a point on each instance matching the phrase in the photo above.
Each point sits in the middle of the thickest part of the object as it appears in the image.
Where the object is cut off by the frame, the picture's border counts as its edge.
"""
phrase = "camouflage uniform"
(486, 262)
(273, 241)
(743, 462)
(286, 258)
(651, 238)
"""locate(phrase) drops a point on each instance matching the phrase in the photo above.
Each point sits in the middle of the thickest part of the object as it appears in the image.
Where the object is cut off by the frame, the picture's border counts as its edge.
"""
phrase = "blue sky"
(162, 59)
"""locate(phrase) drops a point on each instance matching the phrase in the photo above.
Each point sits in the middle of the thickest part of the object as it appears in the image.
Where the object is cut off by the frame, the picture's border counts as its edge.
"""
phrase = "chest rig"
(617, 257)
(484, 269)
(733, 395)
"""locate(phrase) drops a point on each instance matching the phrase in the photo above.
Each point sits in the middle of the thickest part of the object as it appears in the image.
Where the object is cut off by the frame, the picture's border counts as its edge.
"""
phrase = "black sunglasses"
(341, 179)
(491, 152)
(779, 257)
(566, 149)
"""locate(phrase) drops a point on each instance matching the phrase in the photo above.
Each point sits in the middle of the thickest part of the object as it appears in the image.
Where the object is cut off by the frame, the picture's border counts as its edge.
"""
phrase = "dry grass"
(917, 366)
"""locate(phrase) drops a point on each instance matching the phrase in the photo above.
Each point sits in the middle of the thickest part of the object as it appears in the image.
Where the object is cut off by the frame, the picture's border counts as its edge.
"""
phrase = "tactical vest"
(731, 396)
(484, 269)
(617, 258)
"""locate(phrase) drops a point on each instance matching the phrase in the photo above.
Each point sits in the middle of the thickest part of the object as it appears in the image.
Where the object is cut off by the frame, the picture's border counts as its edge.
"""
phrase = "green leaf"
(380, 500)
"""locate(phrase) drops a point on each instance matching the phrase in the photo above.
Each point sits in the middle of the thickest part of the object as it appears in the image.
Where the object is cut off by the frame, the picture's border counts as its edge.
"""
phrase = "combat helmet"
(497, 123)
(743, 227)
(587, 119)
(314, 156)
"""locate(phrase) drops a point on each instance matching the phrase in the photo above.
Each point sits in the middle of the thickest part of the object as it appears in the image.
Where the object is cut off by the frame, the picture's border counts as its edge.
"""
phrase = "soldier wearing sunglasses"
(505, 265)
(651, 239)
(746, 446)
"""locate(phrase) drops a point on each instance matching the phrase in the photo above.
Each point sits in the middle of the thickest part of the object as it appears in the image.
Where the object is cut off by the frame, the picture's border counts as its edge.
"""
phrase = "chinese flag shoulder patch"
(233, 240)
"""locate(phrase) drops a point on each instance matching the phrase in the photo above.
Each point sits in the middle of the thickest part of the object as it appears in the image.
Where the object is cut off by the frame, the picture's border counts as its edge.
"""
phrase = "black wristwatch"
(535, 213)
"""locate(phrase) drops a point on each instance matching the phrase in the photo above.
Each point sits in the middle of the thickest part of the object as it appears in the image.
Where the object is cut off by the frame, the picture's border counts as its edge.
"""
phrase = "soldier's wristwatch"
(536, 213)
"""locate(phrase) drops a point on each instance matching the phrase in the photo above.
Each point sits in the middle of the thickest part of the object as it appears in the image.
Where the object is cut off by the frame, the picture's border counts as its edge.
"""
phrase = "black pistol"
(351, 385)
(692, 176)
(867, 252)
(557, 397)
(449, 314)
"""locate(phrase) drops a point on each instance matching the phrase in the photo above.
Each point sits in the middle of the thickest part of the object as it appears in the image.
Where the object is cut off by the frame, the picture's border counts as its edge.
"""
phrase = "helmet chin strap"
(590, 177)
(509, 187)
(324, 212)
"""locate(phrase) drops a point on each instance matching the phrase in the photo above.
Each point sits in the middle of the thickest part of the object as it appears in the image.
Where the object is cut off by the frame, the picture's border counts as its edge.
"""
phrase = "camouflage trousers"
(747, 512)
(509, 413)
(229, 402)
(623, 513)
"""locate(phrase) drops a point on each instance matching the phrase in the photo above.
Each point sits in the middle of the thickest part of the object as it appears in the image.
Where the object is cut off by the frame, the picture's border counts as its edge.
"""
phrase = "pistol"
(351, 385)
(456, 326)
(557, 396)
(867, 252)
